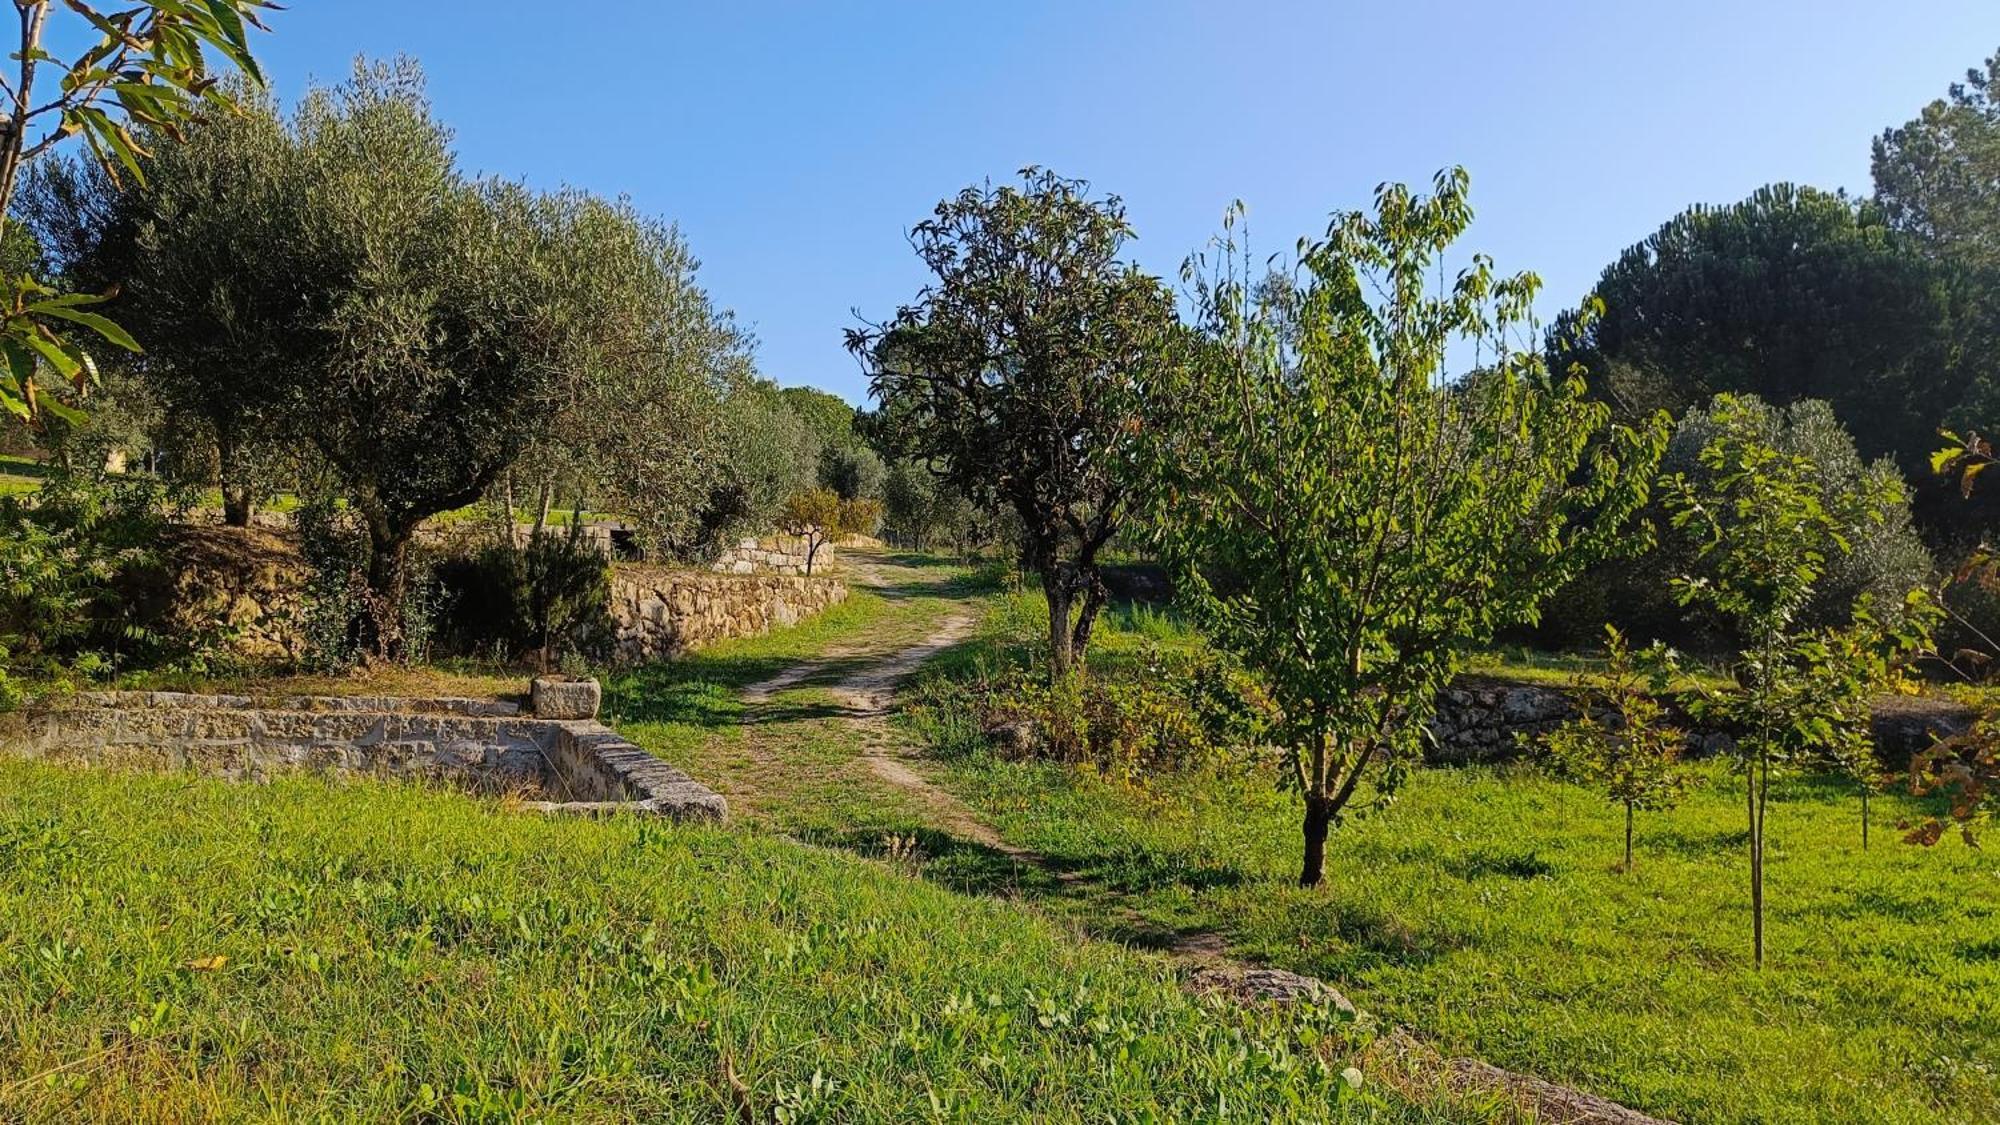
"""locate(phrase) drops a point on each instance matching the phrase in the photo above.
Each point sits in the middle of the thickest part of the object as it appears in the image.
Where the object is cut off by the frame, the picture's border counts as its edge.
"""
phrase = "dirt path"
(863, 679)
(866, 694)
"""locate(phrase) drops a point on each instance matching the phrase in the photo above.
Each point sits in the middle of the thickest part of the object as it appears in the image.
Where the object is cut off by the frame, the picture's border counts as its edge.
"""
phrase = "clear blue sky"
(796, 143)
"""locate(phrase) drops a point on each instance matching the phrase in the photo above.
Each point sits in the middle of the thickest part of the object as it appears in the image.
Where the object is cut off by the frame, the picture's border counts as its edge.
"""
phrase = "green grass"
(184, 949)
(1485, 909)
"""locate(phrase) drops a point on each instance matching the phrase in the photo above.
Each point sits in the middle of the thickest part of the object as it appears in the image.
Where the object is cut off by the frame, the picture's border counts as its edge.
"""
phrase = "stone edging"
(481, 744)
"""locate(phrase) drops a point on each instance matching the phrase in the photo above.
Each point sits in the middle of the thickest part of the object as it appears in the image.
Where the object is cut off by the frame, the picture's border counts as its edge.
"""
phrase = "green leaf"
(58, 357)
(97, 322)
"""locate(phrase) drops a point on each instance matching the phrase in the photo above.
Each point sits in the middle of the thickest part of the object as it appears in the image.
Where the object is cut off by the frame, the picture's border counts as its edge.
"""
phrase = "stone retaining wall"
(1481, 719)
(488, 747)
(661, 611)
(779, 554)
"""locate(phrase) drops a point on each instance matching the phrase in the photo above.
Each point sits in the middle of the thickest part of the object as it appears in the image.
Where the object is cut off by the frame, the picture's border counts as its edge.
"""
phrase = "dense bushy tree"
(197, 252)
(633, 417)
(827, 416)
(1791, 294)
(1013, 373)
(1938, 176)
(769, 454)
(1348, 520)
(1885, 556)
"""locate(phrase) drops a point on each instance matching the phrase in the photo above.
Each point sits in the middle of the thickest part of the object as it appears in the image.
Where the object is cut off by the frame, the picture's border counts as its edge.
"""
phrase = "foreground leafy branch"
(150, 69)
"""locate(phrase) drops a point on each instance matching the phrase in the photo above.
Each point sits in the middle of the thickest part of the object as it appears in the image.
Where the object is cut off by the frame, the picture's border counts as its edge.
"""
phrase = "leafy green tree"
(821, 514)
(633, 416)
(1791, 294)
(767, 454)
(1938, 175)
(828, 416)
(147, 68)
(1014, 370)
(1768, 535)
(1844, 670)
(1345, 518)
(855, 471)
(1622, 740)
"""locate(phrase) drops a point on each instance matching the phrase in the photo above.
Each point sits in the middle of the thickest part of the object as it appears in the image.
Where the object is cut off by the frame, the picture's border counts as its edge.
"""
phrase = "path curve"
(866, 697)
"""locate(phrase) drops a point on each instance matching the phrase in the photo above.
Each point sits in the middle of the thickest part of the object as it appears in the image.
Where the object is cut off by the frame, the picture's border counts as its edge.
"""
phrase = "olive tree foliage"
(1886, 555)
(1348, 520)
(196, 254)
(633, 417)
(768, 453)
(1768, 537)
(1938, 175)
(1014, 373)
(147, 66)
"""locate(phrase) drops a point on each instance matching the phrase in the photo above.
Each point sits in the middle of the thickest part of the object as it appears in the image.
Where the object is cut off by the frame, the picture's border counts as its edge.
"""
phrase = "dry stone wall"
(1483, 720)
(661, 611)
(489, 747)
(782, 554)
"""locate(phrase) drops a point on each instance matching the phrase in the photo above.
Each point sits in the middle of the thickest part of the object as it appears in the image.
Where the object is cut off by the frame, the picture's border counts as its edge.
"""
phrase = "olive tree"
(196, 253)
(1014, 373)
(1347, 519)
(632, 415)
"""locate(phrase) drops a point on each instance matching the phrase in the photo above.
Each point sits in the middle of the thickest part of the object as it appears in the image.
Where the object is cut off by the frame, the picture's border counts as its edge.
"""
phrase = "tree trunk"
(1628, 837)
(1057, 592)
(1319, 817)
(238, 497)
(1756, 864)
(1086, 618)
(381, 630)
(812, 552)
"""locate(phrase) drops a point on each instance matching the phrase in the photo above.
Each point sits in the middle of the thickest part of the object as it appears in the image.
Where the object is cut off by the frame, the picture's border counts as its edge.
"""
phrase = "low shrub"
(1170, 710)
(549, 598)
(71, 556)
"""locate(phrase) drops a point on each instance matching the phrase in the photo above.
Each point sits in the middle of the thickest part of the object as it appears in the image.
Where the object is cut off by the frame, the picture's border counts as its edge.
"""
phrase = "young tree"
(1843, 670)
(1766, 535)
(147, 68)
(1014, 372)
(1346, 519)
(819, 514)
(1622, 741)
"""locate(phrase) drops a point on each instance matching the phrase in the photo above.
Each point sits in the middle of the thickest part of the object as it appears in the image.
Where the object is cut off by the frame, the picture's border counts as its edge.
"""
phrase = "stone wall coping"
(374, 704)
(289, 727)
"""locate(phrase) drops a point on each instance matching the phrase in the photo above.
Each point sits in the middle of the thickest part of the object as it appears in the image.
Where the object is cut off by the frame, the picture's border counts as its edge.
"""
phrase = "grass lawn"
(189, 949)
(1485, 909)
